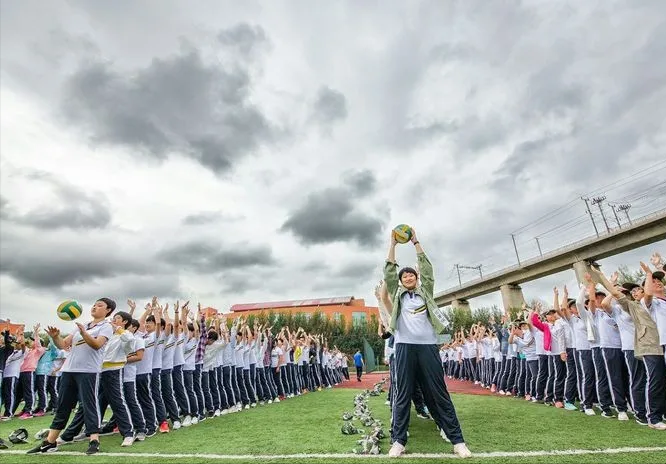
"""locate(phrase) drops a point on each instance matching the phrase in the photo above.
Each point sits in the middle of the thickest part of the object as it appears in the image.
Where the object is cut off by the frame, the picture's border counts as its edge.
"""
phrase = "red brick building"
(354, 310)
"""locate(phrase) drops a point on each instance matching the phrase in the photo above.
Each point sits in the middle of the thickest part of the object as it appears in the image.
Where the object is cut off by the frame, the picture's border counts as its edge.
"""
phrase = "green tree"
(626, 275)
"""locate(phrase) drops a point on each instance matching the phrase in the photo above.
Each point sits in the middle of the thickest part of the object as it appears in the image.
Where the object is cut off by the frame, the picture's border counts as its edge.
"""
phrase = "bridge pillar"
(461, 304)
(512, 297)
(581, 268)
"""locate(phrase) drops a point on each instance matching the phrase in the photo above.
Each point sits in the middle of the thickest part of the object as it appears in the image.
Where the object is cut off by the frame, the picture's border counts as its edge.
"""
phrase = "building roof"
(341, 300)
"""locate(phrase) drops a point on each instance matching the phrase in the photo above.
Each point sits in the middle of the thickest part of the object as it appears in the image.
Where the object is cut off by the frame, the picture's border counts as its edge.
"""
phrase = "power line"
(605, 188)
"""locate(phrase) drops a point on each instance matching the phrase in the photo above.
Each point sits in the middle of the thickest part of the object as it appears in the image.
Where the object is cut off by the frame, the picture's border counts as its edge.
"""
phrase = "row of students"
(604, 348)
(157, 370)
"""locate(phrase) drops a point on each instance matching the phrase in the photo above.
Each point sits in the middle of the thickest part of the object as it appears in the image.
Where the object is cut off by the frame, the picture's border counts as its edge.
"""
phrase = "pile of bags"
(369, 443)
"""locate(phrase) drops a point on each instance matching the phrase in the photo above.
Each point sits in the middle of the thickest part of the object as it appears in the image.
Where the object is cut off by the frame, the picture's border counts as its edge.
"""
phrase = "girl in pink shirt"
(27, 377)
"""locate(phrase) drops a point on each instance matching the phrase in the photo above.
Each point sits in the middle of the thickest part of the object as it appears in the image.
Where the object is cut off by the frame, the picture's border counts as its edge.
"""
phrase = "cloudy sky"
(235, 152)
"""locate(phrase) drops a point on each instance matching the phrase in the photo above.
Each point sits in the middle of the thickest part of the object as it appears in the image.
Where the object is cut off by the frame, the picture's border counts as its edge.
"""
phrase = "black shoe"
(423, 415)
(151, 433)
(93, 447)
(641, 421)
(45, 447)
(106, 432)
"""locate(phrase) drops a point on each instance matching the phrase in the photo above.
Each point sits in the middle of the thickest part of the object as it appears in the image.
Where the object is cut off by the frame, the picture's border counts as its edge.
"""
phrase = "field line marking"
(493, 454)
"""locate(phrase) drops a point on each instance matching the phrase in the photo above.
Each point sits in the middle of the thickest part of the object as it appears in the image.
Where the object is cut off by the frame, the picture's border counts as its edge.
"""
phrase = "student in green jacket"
(415, 323)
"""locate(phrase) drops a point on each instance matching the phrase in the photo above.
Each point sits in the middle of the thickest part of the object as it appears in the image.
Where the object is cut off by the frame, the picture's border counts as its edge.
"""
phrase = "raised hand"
(131, 304)
(656, 260)
(53, 332)
(614, 278)
(414, 239)
(184, 308)
(646, 269)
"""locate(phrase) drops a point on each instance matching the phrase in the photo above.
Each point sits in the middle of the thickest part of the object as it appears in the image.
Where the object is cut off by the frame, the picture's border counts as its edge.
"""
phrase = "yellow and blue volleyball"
(402, 233)
(69, 310)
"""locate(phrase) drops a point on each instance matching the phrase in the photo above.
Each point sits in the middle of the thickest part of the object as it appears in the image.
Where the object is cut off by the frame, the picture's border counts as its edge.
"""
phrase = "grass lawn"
(311, 424)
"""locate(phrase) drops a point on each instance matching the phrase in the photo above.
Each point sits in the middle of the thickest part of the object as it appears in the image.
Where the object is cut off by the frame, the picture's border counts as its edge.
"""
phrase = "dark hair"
(150, 318)
(408, 270)
(134, 323)
(126, 317)
(190, 326)
(162, 324)
(212, 335)
(110, 305)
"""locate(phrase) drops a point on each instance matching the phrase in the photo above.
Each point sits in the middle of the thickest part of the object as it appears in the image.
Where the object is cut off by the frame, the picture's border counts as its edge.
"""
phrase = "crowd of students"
(604, 349)
(157, 373)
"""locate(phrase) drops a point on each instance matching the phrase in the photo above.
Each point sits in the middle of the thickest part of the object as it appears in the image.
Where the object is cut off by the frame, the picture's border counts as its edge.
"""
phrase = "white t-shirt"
(178, 357)
(168, 352)
(129, 374)
(413, 324)
(609, 332)
(145, 366)
(60, 361)
(83, 358)
(160, 342)
(13, 364)
(626, 325)
(189, 353)
(275, 356)
(657, 312)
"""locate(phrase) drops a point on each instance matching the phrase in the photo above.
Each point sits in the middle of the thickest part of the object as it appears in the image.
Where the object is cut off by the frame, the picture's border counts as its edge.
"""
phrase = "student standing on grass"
(359, 363)
(652, 371)
(415, 322)
(80, 375)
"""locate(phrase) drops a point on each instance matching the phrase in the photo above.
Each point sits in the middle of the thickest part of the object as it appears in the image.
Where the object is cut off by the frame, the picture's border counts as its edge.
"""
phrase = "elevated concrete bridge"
(646, 230)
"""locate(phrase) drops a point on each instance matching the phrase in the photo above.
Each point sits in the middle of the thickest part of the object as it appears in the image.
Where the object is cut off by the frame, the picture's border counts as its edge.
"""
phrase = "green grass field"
(311, 424)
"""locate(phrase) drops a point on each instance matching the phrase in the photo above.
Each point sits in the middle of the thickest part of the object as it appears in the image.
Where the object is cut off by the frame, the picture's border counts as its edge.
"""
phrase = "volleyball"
(69, 310)
(402, 233)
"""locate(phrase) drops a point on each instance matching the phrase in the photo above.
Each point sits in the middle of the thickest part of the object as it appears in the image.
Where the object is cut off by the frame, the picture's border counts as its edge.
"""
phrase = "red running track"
(454, 386)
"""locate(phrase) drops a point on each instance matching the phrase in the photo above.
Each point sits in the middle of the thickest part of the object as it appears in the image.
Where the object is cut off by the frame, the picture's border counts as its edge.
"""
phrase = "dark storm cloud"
(72, 208)
(330, 106)
(361, 182)
(175, 105)
(205, 256)
(247, 39)
(333, 215)
(45, 263)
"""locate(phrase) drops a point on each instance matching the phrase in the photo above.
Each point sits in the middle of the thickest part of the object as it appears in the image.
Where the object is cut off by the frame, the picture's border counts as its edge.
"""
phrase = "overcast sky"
(236, 152)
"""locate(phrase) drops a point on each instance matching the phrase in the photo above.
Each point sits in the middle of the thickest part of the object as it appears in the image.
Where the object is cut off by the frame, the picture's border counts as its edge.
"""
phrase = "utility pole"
(587, 205)
(625, 208)
(513, 238)
(538, 246)
(597, 201)
(460, 266)
(617, 219)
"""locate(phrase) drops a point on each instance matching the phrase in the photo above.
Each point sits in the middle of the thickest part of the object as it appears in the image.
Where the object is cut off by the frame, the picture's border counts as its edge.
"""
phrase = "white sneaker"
(622, 416)
(177, 425)
(80, 437)
(216, 413)
(224, 412)
(254, 405)
(590, 412)
(658, 426)
(247, 406)
(443, 435)
(262, 402)
(270, 401)
(387, 403)
(396, 450)
(140, 436)
(195, 420)
(128, 441)
(501, 392)
(60, 442)
(461, 450)
(277, 400)
(188, 421)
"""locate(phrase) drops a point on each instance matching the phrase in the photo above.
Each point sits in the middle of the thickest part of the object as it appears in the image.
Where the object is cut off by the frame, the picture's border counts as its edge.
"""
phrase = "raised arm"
(391, 269)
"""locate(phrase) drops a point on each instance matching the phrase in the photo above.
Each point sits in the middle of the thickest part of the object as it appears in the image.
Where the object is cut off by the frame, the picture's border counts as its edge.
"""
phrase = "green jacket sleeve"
(391, 278)
(427, 275)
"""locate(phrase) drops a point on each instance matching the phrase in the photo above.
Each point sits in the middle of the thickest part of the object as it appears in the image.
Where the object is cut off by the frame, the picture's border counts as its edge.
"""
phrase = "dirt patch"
(454, 386)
